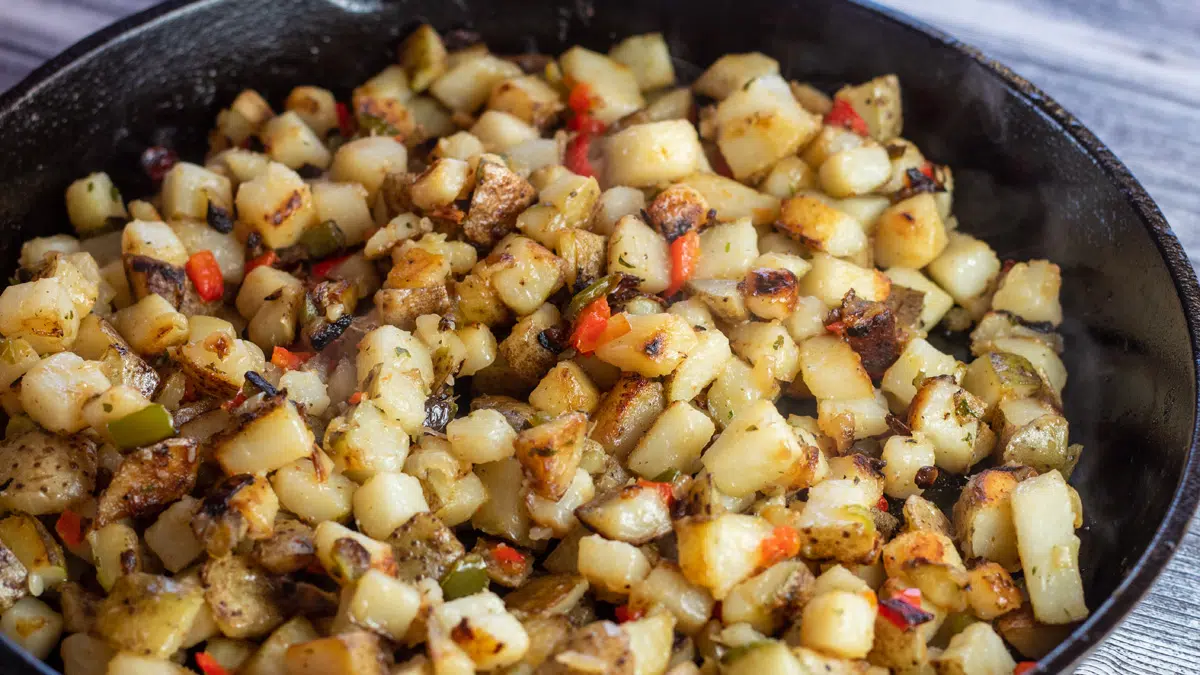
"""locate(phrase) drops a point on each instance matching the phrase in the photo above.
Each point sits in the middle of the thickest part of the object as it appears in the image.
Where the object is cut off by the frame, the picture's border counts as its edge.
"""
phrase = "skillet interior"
(1030, 187)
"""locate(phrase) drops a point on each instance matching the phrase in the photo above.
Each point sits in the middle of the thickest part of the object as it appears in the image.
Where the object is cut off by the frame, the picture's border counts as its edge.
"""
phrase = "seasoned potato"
(952, 420)
(761, 123)
(877, 102)
(780, 461)
(45, 473)
(821, 226)
(241, 597)
(732, 200)
(653, 153)
(626, 412)
(148, 614)
(1045, 520)
(652, 346)
(719, 552)
(272, 437)
(731, 72)
(831, 278)
(1030, 291)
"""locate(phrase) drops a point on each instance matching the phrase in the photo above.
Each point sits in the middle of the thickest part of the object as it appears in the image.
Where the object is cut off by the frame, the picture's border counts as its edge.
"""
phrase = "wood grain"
(1129, 69)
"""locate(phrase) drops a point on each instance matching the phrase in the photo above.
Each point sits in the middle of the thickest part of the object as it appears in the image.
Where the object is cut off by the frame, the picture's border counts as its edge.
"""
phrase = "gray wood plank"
(1129, 69)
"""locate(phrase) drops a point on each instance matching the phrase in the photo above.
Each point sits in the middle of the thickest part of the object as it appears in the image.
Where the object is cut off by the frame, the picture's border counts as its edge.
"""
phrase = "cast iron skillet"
(1030, 180)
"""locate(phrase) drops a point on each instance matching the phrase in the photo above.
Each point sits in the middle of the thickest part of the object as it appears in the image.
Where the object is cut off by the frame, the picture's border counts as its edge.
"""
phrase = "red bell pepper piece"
(586, 123)
(927, 169)
(590, 325)
(322, 269)
(665, 490)
(357, 397)
(509, 558)
(685, 251)
(844, 115)
(576, 156)
(580, 100)
(882, 504)
(346, 123)
(783, 543)
(1025, 667)
(625, 613)
(267, 259)
(70, 528)
(903, 610)
(289, 360)
(205, 273)
(208, 665)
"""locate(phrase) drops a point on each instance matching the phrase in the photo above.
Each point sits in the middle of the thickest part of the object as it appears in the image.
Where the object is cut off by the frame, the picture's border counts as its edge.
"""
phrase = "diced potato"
(93, 203)
(188, 190)
(855, 171)
(291, 142)
(499, 131)
(719, 552)
(1030, 290)
(768, 347)
(367, 161)
(836, 523)
(635, 514)
(529, 98)
(42, 313)
(649, 59)
(762, 123)
(1042, 357)
(731, 72)
(45, 473)
(396, 348)
(314, 497)
(171, 537)
(635, 248)
(784, 461)
(278, 205)
(626, 412)
(566, 388)
(613, 85)
(764, 656)
(653, 346)
(275, 436)
(525, 274)
(965, 268)
(36, 552)
(241, 596)
(347, 555)
(357, 653)
(559, 516)
(504, 513)
(732, 200)
(906, 457)
(702, 365)
(316, 107)
(423, 56)
(936, 301)
(977, 650)
(383, 604)
(346, 205)
(480, 345)
(674, 441)
(114, 547)
(386, 501)
(821, 226)
(481, 626)
(653, 153)
(840, 623)
(148, 614)
(240, 120)
(217, 363)
(467, 84)
(831, 278)
(918, 361)
(480, 437)
(54, 391)
(611, 566)
(738, 385)
(723, 297)
(832, 370)
(1000, 325)
(952, 420)
(983, 520)
(845, 421)
(768, 599)
(877, 102)
(615, 203)
(83, 654)
(910, 233)
(788, 176)
(991, 591)
(929, 561)
(727, 250)
(691, 605)
(1045, 520)
(549, 454)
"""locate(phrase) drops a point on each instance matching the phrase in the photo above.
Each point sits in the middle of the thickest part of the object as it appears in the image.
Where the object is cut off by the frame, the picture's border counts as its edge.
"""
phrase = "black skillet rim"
(1105, 618)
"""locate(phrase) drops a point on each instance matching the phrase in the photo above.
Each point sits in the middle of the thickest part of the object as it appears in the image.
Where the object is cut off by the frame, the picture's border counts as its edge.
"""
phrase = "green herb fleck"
(752, 427)
(778, 342)
(114, 193)
(728, 246)
(402, 353)
(963, 407)
(91, 187)
(377, 125)
(107, 407)
(621, 259)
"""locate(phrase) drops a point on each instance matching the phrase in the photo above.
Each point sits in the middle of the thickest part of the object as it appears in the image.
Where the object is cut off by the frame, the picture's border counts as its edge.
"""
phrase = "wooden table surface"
(1129, 69)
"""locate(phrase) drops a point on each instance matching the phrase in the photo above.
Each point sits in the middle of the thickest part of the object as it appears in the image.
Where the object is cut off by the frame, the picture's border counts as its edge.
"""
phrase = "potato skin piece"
(500, 196)
(45, 473)
(626, 412)
(549, 454)
(424, 548)
(149, 480)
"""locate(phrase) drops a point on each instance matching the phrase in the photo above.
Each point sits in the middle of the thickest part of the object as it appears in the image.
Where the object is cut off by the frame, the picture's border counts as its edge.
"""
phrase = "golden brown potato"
(149, 480)
(626, 412)
(549, 453)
